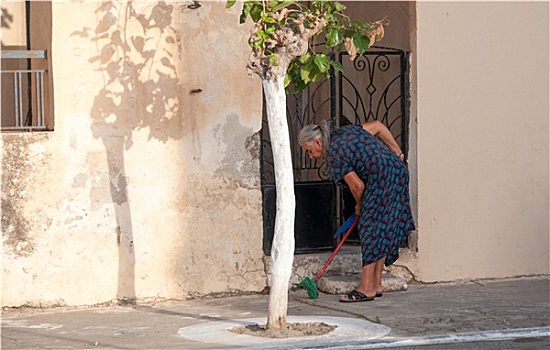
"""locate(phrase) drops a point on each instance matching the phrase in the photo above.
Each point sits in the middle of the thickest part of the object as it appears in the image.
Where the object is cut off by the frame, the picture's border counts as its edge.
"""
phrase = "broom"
(311, 284)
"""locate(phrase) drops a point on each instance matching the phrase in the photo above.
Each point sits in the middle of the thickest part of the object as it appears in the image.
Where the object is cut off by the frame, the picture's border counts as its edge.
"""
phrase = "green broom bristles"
(311, 287)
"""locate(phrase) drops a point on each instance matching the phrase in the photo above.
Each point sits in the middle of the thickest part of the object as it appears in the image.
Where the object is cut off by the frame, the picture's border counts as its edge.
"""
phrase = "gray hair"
(312, 132)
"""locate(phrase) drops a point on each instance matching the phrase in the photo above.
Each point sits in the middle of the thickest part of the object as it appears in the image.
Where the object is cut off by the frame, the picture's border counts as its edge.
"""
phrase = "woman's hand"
(356, 187)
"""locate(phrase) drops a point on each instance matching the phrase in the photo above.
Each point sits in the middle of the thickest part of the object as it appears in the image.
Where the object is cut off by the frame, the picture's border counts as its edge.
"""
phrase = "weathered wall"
(149, 185)
(482, 99)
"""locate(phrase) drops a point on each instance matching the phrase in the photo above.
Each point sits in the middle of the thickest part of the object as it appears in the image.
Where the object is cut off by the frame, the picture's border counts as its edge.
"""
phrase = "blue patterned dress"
(386, 217)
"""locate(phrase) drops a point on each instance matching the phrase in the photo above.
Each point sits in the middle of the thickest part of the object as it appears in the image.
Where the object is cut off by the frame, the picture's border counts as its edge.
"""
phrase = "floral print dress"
(386, 218)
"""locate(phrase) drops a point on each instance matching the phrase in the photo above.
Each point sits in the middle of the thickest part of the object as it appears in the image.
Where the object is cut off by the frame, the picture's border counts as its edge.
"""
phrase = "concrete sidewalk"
(433, 310)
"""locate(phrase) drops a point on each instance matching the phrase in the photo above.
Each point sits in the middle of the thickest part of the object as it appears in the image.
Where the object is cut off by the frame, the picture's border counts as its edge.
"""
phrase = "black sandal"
(356, 296)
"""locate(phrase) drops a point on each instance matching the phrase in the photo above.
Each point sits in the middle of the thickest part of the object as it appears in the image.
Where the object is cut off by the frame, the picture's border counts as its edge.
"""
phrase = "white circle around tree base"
(347, 329)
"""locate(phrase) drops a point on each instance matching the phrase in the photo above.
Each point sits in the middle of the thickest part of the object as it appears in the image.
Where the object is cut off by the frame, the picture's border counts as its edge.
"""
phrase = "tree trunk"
(282, 249)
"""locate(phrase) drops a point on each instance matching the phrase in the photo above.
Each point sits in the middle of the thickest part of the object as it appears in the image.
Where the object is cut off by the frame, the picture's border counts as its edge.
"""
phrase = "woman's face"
(314, 149)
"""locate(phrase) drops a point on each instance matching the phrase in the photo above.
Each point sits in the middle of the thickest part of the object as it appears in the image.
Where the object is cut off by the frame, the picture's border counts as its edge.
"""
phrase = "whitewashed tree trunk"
(281, 33)
(282, 249)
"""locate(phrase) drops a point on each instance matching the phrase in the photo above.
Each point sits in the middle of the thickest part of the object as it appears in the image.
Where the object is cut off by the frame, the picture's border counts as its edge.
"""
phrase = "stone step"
(343, 284)
(342, 275)
(348, 260)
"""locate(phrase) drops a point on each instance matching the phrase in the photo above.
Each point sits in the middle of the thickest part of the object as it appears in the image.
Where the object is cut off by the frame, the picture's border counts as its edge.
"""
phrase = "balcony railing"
(22, 91)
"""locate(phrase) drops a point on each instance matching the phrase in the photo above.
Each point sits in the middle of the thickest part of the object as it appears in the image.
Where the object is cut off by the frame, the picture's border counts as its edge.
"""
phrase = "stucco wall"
(149, 185)
(482, 114)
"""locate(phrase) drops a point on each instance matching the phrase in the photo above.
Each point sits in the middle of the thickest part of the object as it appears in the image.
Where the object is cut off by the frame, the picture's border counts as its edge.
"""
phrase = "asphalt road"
(516, 344)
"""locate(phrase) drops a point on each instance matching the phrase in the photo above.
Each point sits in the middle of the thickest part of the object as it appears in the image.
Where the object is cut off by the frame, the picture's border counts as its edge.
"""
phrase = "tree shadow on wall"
(135, 44)
(6, 19)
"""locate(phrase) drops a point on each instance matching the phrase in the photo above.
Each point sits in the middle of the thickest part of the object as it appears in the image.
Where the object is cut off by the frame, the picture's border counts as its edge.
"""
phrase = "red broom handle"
(348, 232)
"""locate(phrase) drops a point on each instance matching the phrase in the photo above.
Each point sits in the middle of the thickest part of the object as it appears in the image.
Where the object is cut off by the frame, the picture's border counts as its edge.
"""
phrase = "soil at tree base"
(292, 330)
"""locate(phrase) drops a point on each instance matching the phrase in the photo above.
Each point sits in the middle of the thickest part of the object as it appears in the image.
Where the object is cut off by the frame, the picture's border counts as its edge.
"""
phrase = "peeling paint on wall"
(223, 234)
(19, 168)
(240, 162)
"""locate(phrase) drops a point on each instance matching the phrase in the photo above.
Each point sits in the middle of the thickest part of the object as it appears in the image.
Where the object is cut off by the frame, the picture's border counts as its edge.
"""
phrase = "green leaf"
(305, 71)
(316, 75)
(331, 21)
(230, 3)
(361, 42)
(268, 19)
(318, 6)
(357, 25)
(297, 84)
(308, 71)
(256, 13)
(348, 33)
(252, 8)
(337, 67)
(305, 57)
(338, 6)
(322, 63)
(288, 80)
(258, 43)
(262, 34)
(281, 5)
(245, 12)
(334, 37)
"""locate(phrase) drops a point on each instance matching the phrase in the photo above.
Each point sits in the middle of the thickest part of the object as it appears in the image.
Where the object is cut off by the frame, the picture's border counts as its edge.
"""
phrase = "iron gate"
(372, 87)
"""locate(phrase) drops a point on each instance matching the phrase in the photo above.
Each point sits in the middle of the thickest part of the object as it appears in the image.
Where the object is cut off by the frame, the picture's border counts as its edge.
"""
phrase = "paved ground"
(422, 316)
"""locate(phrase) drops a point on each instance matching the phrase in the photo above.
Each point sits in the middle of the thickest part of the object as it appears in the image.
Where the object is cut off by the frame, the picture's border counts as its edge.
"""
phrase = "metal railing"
(28, 106)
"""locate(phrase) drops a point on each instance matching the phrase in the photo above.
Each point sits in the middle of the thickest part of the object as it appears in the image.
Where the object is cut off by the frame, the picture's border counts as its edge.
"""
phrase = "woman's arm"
(356, 186)
(379, 130)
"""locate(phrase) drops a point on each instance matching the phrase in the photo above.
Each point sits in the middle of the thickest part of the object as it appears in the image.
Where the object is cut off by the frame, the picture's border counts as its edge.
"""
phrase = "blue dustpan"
(346, 225)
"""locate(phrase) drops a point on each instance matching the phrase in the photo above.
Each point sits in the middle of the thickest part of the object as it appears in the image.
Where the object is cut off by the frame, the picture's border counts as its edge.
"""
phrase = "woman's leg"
(378, 269)
(371, 278)
(368, 281)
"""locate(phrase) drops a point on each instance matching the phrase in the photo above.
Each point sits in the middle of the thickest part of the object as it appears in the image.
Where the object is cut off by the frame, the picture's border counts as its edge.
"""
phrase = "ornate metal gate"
(373, 87)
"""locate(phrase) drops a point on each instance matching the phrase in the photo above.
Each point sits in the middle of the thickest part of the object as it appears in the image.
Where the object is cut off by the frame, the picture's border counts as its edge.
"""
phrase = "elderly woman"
(367, 159)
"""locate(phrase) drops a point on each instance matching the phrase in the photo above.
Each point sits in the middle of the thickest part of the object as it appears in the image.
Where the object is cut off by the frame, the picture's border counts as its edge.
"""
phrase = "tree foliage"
(295, 38)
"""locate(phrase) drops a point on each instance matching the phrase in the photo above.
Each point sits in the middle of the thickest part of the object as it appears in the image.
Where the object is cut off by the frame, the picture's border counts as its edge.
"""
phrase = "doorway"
(373, 87)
